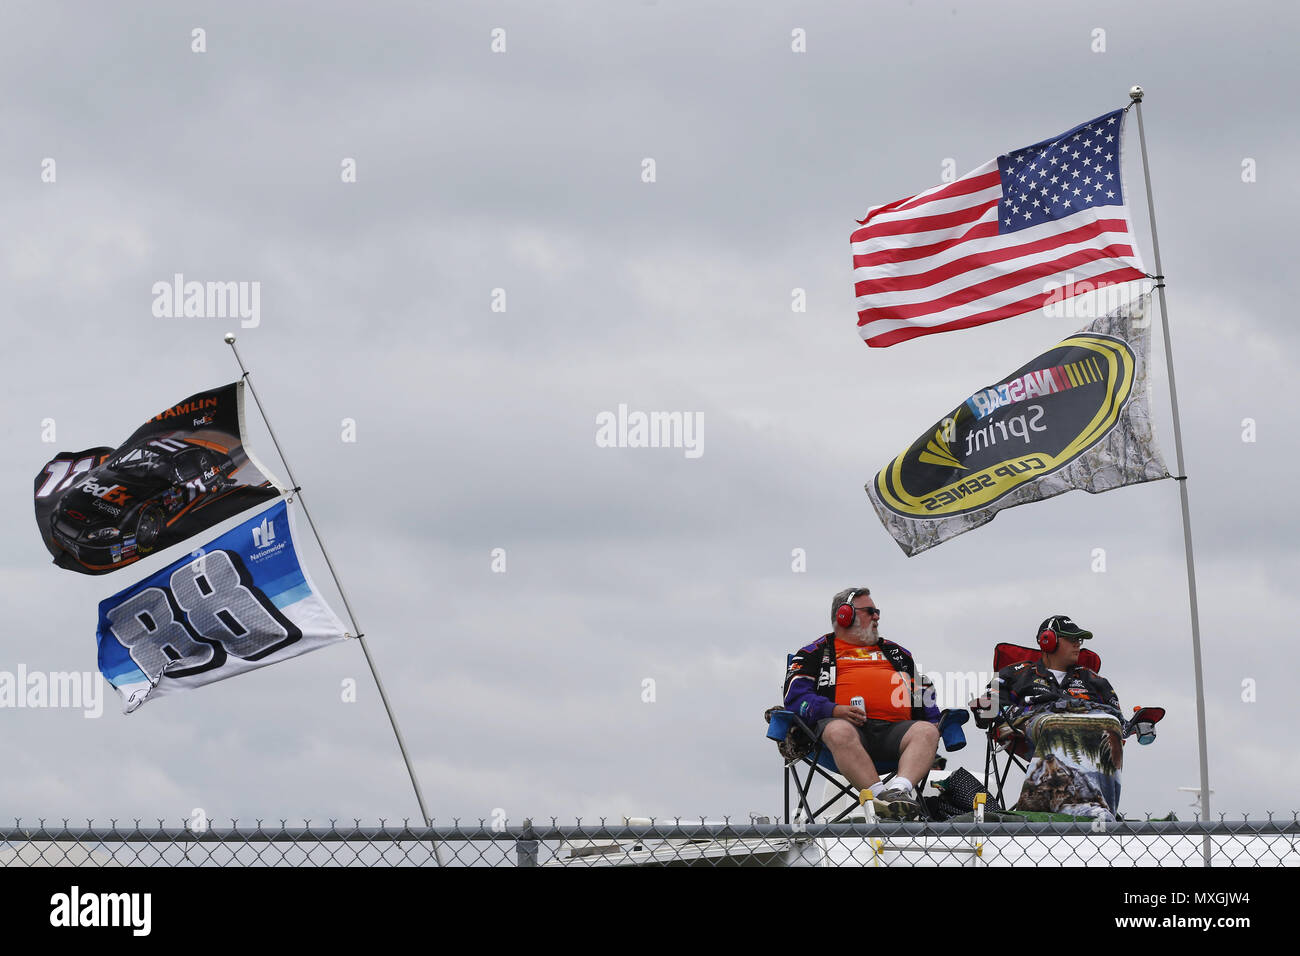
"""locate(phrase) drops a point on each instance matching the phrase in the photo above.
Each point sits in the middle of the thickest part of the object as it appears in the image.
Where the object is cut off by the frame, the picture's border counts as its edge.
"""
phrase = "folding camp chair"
(818, 761)
(1009, 742)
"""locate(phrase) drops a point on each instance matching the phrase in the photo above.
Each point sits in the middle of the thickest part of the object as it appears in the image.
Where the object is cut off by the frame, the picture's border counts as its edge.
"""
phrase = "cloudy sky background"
(475, 429)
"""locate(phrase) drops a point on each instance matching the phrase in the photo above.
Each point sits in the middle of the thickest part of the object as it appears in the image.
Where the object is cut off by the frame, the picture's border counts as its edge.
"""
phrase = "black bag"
(956, 795)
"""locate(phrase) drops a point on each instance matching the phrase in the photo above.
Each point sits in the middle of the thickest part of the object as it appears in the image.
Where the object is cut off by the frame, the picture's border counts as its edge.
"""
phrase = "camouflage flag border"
(1116, 446)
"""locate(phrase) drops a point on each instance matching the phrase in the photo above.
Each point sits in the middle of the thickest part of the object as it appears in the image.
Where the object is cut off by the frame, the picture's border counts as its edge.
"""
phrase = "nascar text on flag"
(1075, 416)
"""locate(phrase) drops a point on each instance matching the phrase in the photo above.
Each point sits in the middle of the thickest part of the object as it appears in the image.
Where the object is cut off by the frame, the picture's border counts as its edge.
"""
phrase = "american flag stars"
(1057, 177)
(991, 244)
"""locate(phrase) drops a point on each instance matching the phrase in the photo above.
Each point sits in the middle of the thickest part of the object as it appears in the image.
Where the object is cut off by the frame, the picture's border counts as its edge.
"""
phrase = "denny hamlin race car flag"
(240, 603)
(992, 244)
(180, 473)
(1074, 417)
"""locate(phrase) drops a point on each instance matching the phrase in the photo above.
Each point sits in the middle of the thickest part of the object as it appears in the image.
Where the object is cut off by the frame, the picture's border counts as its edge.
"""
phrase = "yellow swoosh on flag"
(937, 452)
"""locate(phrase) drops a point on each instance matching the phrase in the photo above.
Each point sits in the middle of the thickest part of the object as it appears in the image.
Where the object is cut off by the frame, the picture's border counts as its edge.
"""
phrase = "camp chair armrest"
(1143, 724)
(949, 724)
(979, 709)
(780, 719)
(803, 725)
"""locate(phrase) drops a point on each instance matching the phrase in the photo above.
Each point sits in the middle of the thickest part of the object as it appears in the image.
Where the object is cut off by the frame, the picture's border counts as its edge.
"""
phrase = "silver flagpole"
(1135, 94)
(293, 482)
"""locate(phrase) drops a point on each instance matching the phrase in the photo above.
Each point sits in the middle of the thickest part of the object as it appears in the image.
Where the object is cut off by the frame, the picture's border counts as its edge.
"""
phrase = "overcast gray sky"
(521, 170)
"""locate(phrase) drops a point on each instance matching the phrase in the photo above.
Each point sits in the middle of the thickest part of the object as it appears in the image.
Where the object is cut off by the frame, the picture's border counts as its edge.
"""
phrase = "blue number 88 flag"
(239, 603)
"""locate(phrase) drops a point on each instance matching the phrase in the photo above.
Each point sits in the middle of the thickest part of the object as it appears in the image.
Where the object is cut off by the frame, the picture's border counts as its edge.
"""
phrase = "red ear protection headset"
(1048, 640)
(846, 613)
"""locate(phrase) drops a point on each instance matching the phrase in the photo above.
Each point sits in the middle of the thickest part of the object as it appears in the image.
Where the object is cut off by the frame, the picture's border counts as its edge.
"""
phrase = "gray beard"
(869, 639)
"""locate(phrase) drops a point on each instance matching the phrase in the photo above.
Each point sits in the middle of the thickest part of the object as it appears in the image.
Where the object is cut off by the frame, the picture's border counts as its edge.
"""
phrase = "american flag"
(1037, 225)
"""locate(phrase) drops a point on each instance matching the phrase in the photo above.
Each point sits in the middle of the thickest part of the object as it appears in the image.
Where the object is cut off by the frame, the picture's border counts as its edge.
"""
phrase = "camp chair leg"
(1001, 780)
(1002, 785)
(869, 810)
(1012, 760)
(804, 788)
(800, 804)
(977, 845)
(868, 807)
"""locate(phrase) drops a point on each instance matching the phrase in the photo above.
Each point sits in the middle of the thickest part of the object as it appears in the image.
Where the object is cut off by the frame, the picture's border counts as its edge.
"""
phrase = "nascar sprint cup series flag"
(241, 603)
(1074, 417)
(180, 473)
(986, 246)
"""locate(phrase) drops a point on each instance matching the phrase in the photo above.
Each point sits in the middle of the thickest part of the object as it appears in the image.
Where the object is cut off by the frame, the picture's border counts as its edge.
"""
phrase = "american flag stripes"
(1037, 225)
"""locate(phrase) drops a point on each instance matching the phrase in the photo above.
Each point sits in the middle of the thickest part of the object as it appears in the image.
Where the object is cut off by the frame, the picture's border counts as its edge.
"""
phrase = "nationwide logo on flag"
(242, 602)
(264, 533)
(987, 246)
(1074, 417)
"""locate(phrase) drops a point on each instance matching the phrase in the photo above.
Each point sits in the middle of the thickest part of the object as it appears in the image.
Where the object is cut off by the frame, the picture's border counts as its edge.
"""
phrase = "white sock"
(902, 783)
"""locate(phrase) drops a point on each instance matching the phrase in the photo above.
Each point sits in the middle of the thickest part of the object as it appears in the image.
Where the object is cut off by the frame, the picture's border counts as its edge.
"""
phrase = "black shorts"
(882, 739)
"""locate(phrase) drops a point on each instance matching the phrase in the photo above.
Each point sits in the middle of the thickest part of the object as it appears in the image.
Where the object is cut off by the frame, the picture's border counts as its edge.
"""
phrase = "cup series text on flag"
(989, 245)
(1073, 417)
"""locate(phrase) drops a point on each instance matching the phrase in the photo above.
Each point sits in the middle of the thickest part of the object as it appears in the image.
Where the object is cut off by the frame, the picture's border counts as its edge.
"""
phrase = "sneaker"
(895, 803)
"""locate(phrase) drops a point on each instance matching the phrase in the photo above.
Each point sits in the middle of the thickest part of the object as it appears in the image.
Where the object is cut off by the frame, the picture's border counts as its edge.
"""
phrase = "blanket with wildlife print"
(1075, 766)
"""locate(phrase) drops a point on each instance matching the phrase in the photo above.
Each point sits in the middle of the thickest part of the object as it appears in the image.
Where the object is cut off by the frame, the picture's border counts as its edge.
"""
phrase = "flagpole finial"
(1135, 94)
(230, 338)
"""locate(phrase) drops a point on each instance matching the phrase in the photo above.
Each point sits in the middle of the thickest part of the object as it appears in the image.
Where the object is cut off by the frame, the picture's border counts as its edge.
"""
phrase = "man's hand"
(854, 715)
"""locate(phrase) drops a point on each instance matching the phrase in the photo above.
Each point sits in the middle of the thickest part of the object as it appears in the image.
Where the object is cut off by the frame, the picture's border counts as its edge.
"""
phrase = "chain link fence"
(755, 842)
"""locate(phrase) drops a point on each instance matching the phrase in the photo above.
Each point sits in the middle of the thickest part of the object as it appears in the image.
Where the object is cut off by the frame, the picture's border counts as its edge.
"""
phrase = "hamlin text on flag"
(183, 471)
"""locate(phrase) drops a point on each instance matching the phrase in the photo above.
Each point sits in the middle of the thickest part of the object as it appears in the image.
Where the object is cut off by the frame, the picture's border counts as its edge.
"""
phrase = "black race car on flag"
(122, 509)
(182, 472)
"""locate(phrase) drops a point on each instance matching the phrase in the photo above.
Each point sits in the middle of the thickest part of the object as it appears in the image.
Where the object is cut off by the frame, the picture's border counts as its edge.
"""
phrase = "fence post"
(526, 846)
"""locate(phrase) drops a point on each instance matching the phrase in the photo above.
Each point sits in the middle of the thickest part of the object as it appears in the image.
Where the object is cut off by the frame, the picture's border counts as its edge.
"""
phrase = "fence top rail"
(259, 832)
